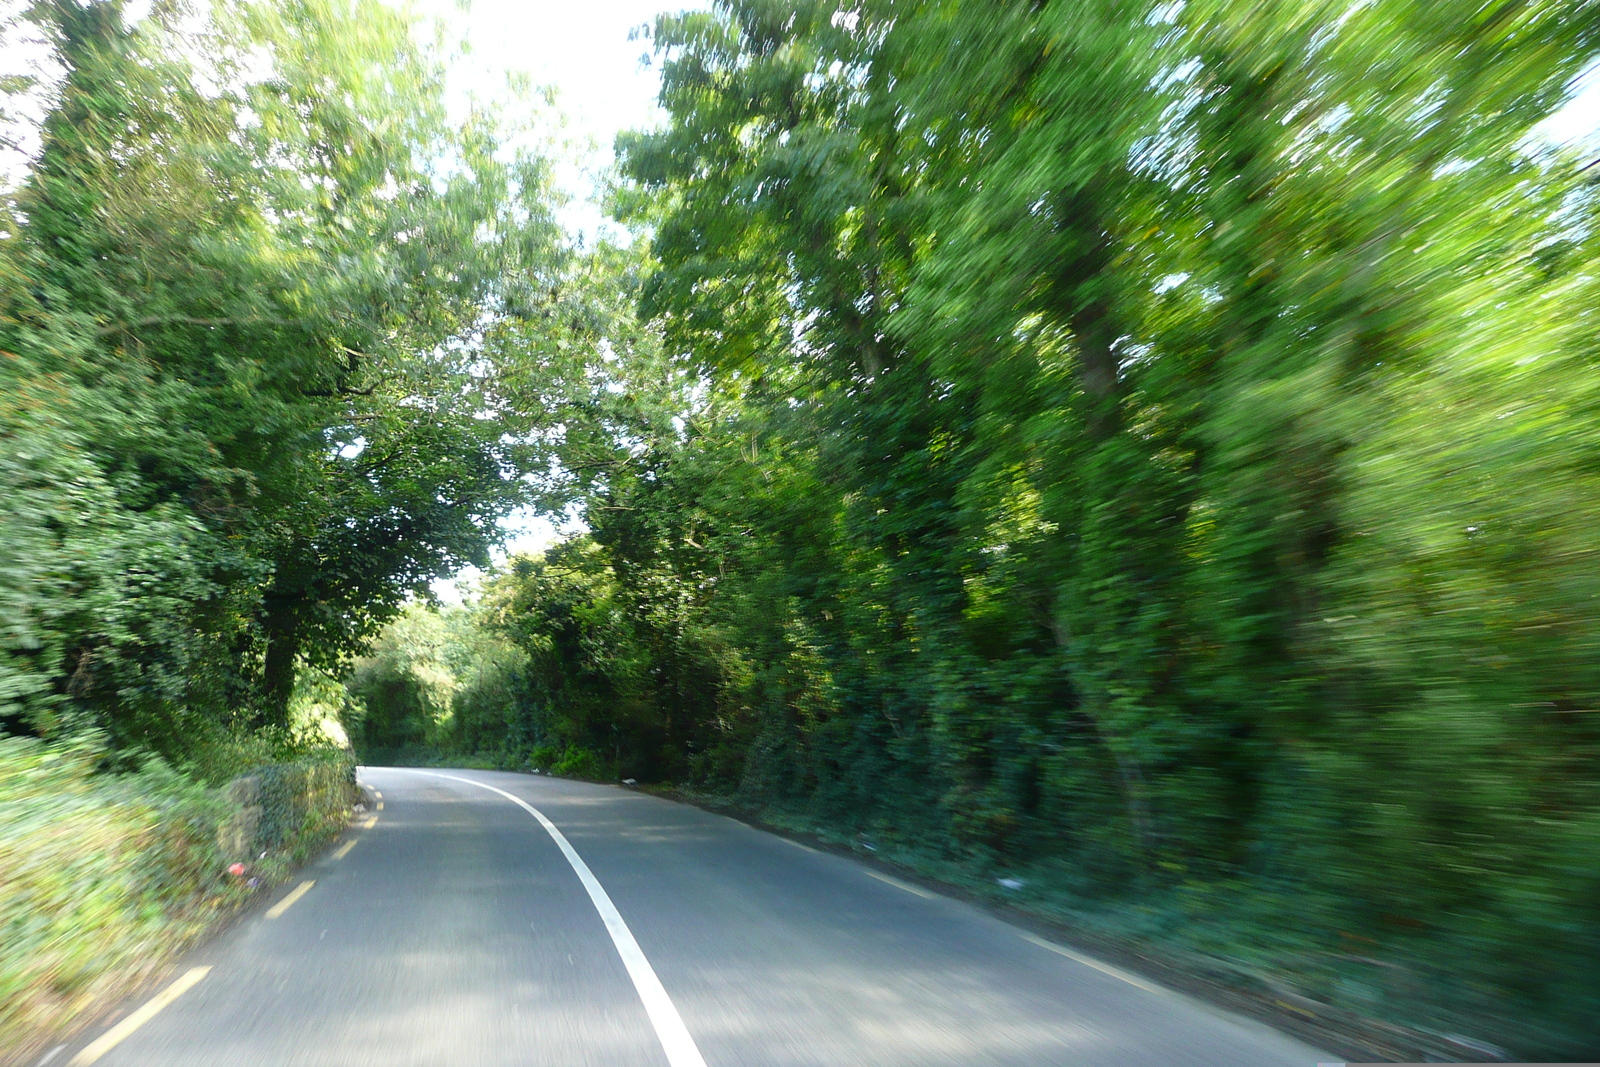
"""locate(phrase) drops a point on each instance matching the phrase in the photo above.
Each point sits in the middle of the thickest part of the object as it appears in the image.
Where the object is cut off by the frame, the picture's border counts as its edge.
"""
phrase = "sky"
(588, 53)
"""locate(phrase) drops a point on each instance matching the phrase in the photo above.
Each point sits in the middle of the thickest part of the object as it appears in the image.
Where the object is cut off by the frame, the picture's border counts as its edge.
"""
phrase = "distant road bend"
(489, 919)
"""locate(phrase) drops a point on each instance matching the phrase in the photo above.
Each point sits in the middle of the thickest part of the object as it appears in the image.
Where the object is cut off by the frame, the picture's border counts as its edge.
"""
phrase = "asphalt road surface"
(458, 929)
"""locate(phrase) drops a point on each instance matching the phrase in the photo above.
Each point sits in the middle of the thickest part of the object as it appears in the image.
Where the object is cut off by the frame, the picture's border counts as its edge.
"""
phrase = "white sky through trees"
(580, 49)
(590, 54)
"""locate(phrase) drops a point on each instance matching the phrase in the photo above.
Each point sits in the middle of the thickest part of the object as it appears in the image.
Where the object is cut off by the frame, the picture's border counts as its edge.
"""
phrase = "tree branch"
(189, 320)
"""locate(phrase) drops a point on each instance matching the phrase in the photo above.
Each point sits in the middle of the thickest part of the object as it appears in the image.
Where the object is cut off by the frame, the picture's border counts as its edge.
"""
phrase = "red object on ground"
(236, 870)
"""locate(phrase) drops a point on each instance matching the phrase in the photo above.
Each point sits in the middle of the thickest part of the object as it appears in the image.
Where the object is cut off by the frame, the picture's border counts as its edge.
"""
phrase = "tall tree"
(1150, 443)
(255, 283)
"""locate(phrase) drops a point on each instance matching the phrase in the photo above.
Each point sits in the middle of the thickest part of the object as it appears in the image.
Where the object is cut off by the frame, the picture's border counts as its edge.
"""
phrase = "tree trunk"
(278, 672)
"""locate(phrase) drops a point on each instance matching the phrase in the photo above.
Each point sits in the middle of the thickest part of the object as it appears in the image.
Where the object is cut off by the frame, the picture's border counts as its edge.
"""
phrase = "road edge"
(64, 1045)
(1343, 1033)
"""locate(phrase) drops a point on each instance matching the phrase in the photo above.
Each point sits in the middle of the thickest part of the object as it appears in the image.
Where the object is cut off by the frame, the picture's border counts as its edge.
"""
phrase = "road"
(456, 931)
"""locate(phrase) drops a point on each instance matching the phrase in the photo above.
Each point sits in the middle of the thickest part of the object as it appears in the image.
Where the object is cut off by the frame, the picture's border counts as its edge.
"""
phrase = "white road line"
(1096, 964)
(675, 1040)
(898, 884)
(109, 1040)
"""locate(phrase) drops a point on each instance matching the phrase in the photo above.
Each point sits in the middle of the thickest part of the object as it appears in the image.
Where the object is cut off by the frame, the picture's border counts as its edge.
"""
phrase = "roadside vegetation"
(1145, 452)
(107, 877)
(1140, 460)
(254, 283)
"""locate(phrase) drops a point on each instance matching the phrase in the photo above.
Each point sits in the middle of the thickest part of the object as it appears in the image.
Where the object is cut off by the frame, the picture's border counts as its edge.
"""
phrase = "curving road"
(457, 930)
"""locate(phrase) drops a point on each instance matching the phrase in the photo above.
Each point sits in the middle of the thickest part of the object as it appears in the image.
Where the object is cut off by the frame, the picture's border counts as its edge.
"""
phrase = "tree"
(255, 278)
(1149, 444)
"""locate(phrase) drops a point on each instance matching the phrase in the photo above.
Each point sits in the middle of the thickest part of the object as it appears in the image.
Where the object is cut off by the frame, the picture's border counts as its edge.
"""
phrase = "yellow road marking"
(1096, 964)
(377, 794)
(898, 884)
(344, 850)
(110, 1039)
(380, 805)
(372, 822)
(287, 902)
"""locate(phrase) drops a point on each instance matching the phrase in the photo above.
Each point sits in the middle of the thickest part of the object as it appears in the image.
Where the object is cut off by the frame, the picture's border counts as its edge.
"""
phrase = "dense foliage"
(252, 295)
(1154, 446)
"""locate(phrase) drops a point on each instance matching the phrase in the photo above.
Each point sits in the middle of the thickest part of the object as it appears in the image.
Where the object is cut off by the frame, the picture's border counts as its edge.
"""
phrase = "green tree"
(255, 299)
(1146, 443)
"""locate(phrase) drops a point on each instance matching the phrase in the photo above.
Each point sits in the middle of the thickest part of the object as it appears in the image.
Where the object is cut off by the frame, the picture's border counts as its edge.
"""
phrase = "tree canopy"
(253, 284)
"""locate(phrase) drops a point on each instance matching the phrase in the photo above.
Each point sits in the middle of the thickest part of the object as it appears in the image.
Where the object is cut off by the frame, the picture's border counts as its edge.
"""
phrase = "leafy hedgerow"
(104, 877)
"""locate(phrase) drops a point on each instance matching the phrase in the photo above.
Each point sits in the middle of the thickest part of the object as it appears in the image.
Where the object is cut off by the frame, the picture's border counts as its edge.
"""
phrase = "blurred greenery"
(255, 287)
(105, 878)
(1147, 450)
(1150, 450)
(252, 289)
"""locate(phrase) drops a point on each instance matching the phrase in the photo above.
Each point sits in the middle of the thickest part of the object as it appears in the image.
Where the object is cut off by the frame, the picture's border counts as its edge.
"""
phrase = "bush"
(579, 762)
(299, 799)
(104, 877)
